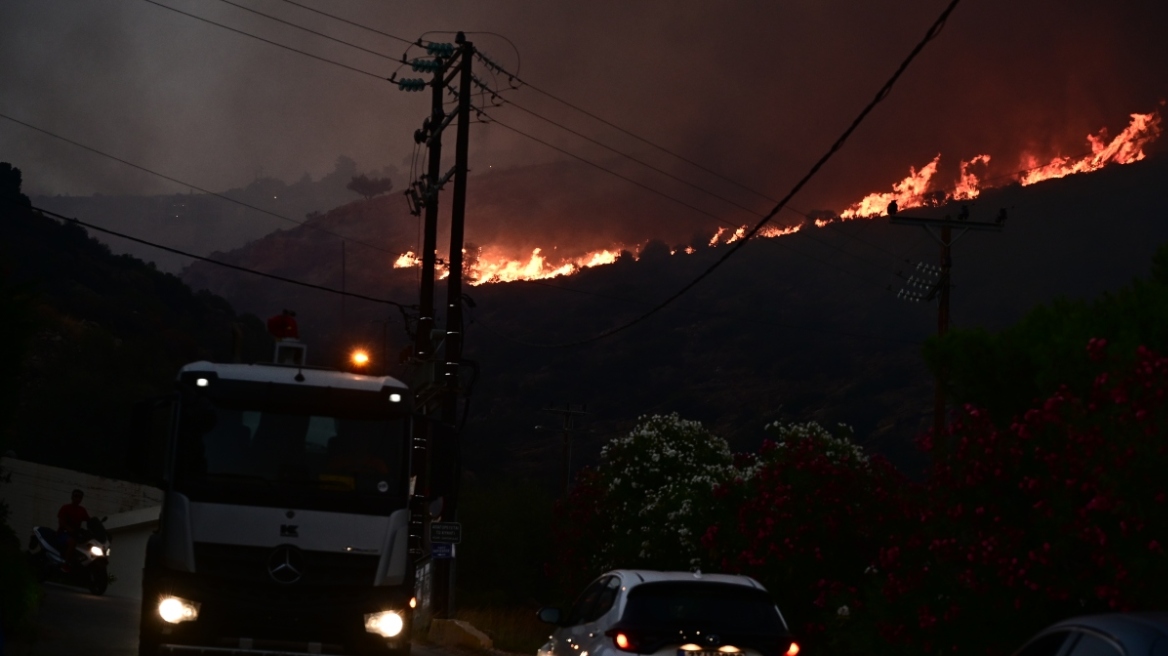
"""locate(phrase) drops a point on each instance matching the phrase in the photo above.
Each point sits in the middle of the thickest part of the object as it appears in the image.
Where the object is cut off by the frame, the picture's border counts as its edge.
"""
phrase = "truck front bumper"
(272, 618)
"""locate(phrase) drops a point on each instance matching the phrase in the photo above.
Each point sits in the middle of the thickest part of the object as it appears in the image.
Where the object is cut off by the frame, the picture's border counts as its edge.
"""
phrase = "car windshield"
(720, 606)
(255, 451)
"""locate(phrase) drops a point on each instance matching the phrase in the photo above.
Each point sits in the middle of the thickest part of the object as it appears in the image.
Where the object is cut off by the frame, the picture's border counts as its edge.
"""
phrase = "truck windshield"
(285, 455)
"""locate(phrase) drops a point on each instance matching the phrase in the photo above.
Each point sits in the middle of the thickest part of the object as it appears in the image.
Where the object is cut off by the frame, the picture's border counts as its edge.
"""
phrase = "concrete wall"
(35, 493)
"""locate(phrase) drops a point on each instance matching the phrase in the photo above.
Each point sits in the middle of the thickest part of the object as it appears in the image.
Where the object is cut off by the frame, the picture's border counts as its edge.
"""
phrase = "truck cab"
(286, 516)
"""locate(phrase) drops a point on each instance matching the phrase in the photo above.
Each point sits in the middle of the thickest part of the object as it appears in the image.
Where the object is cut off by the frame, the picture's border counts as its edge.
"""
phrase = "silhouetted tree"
(369, 187)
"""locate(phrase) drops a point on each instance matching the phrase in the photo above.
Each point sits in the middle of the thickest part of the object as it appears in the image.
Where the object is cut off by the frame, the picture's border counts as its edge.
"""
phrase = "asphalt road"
(71, 622)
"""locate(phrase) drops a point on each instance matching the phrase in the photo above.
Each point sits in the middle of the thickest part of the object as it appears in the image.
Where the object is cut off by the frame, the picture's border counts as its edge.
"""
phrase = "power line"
(310, 31)
(236, 267)
(932, 33)
(354, 24)
(688, 183)
(736, 226)
(268, 41)
(495, 121)
(647, 165)
(192, 186)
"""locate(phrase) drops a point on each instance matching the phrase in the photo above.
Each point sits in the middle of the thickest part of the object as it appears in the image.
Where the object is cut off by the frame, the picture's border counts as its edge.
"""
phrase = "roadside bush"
(1062, 513)
(659, 485)
(807, 517)
(647, 505)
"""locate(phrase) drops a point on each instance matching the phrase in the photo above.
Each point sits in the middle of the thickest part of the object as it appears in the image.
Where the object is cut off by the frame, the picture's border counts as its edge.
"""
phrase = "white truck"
(286, 517)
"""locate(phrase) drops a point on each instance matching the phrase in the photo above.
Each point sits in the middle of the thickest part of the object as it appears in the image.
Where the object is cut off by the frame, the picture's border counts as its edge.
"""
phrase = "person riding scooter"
(70, 519)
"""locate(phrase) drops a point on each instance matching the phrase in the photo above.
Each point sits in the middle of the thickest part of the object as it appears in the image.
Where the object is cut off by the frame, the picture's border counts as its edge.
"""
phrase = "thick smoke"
(755, 90)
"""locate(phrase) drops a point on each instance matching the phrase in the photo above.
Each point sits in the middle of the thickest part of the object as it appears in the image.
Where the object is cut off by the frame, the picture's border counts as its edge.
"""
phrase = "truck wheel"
(98, 579)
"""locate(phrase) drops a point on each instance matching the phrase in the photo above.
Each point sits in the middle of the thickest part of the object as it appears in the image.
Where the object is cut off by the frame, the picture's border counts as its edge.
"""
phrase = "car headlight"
(174, 610)
(386, 624)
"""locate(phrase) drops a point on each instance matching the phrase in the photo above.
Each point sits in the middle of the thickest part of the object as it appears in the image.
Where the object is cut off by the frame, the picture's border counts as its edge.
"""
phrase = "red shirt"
(71, 515)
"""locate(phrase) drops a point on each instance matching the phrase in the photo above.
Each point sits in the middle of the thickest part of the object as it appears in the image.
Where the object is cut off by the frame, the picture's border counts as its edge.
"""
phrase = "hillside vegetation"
(94, 334)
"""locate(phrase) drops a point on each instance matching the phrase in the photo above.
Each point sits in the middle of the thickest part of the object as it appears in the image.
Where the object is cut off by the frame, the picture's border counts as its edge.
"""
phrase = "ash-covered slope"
(801, 327)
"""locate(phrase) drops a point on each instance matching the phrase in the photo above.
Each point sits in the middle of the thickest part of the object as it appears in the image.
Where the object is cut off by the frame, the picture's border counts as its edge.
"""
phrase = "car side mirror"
(550, 615)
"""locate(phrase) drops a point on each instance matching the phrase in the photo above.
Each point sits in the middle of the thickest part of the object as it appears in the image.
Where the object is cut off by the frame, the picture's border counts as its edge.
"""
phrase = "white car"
(669, 614)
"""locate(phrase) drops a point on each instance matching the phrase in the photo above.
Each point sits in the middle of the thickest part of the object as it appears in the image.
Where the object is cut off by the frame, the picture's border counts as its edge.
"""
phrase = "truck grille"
(251, 565)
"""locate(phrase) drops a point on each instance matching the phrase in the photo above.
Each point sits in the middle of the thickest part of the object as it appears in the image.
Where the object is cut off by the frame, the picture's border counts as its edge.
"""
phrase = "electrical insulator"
(419, 136)
(411, 84)
(425, 65)
(440, 49)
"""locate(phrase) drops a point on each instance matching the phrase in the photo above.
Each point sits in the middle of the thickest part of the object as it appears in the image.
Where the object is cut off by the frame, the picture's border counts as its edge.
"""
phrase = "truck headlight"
(174, 610)
(386, 624)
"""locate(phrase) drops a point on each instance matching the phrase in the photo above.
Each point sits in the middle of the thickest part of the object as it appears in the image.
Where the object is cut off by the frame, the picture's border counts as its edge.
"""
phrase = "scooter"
(90, 566)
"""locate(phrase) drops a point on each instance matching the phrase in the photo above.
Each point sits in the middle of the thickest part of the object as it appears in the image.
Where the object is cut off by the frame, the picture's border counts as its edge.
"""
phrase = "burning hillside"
(496, 262)
(919, 188)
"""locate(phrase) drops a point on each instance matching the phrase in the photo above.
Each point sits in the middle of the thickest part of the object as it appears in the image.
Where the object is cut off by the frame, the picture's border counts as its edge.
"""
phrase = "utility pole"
(568, 413)
(453, 351)
(436, 383)
(942, 231)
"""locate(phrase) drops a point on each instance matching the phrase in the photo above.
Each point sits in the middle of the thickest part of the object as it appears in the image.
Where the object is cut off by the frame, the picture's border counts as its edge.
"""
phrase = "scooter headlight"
(387, 624)
(96, 551)
(174, 610)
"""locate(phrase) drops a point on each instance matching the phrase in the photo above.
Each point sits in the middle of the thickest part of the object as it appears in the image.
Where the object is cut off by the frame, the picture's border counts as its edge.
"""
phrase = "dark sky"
(754, 89)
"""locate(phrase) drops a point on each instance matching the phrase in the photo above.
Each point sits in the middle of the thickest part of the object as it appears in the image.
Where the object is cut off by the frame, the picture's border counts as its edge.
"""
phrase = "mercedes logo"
(284, 564)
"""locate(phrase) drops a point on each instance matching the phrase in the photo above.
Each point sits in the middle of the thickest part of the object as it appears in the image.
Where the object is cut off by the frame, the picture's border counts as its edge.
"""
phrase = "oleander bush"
(1062, 511)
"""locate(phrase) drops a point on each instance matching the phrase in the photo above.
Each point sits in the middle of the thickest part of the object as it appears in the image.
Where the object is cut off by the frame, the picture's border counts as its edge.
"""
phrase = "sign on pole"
(445, 532)
(441, 551)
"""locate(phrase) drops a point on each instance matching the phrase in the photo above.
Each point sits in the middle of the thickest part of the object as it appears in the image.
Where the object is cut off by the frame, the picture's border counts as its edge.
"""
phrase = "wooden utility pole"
(942, 231)
(453, 339)
(436, 383)
(568, 413)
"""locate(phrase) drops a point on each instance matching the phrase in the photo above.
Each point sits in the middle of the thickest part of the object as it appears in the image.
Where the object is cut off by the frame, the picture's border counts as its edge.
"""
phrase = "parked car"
(1118, 634)
(669, 614)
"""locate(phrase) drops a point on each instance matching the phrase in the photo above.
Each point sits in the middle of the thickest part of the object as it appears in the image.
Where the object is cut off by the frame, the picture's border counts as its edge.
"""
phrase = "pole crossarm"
(945, 223)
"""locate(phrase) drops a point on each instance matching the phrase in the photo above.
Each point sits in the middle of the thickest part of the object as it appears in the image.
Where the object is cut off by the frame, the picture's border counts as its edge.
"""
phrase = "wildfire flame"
(771, 231)
(918, 189)
(717, 236)
(407, 260)
(1125, 148)
(914, 190)
(909, 192)
(968, 186)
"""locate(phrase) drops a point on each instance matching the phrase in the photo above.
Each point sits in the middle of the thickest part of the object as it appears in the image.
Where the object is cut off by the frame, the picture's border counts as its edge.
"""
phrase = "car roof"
(1117, 623)
(309, 377)
(632, 577)
(1137, 632)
